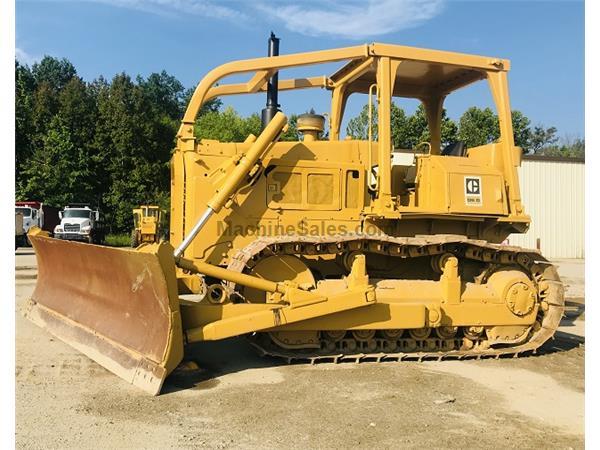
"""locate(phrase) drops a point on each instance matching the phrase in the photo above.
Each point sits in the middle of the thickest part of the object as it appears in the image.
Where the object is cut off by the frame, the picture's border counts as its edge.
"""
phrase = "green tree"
(45, 106)
(542, 137)
(407, 131)
(40, 126)
(213, 105)
(292, 132)
(54, 72)
(104, 142)
(399, 122)
(478, 127)
(50, 76)
(24, 90)
(164, 93)
(48, 175)
(226, 126)
(78, 110)
(416, 129)
(133, 141)
(164, 106)
(358, 127)
(449, 130)
(567, 147)
(521, 130)
(481, 126)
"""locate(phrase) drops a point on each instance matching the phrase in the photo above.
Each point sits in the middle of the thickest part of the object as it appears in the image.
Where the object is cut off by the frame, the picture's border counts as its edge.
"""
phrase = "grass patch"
(118, 240)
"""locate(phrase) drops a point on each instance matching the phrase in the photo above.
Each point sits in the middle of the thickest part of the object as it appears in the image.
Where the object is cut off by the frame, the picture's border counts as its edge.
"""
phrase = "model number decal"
(473, 195)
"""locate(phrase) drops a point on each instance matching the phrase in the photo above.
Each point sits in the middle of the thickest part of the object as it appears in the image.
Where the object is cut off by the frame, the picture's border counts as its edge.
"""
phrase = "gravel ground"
(239, 400)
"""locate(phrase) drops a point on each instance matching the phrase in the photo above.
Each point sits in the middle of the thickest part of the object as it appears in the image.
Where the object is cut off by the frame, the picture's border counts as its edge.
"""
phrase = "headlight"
(57, 229)
(86, 228)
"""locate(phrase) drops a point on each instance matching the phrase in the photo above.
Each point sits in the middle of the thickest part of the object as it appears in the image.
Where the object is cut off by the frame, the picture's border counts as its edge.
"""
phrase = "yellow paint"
(263, 187)
(323, 184)
(147, 223)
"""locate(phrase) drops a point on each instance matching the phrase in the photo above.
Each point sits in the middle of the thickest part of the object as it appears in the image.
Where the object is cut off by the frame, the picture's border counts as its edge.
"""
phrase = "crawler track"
(406, 347)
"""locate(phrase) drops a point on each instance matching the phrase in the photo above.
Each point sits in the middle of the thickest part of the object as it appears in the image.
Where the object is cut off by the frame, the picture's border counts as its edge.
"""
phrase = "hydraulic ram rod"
(190, 237)
(230, 275)
(240, 171)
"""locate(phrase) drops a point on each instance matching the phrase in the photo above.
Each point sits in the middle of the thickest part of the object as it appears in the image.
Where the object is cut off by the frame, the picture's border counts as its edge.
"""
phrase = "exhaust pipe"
(272, 86)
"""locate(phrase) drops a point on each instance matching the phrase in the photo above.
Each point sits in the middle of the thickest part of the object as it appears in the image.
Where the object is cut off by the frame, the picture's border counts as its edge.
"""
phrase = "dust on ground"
(240, 400)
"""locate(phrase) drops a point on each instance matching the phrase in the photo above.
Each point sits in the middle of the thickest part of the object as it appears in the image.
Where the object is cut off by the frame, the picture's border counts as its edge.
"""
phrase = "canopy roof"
(422, 72)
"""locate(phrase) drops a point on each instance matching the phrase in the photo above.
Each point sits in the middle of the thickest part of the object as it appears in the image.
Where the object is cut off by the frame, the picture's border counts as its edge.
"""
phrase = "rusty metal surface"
(112, 304)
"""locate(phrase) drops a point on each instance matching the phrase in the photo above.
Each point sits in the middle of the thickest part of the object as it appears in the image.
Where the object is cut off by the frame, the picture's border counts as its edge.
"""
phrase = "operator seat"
(455, 149)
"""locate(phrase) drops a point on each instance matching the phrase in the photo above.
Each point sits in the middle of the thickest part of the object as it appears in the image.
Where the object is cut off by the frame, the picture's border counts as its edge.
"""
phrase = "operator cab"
(404, 76)
(407, 177)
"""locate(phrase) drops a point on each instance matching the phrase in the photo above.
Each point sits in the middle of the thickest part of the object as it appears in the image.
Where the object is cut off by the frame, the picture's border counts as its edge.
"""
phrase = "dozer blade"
(117, 306)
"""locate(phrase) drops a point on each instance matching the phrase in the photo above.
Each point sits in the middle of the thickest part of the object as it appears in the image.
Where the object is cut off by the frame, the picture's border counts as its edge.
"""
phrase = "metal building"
(553, 195)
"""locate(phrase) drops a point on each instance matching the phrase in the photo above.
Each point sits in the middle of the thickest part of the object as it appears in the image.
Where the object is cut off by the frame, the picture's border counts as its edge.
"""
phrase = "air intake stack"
(311, 126)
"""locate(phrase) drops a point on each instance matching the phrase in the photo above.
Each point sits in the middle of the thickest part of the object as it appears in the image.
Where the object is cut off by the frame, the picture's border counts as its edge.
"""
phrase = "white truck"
(79, 222)
(36, 214)
(19, 230)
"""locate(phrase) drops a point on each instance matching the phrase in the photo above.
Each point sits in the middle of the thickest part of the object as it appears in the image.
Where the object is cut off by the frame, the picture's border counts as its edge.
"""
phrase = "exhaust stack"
(272, 85)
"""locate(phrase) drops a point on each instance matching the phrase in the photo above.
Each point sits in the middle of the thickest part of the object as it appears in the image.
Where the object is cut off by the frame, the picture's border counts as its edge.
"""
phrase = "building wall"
(553, 195)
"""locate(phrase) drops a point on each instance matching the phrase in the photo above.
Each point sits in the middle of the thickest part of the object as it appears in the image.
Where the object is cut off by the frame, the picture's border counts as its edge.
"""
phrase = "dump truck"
(79, 222)
(147, 225)
(37, 214)
(319, 249)
(20, 236)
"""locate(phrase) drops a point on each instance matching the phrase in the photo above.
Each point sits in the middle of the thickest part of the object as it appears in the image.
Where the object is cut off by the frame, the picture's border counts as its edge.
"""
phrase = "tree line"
(475, 127)
(109, 142)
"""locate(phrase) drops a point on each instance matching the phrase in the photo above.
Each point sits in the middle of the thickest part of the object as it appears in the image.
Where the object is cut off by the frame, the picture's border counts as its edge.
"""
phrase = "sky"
(543, 39)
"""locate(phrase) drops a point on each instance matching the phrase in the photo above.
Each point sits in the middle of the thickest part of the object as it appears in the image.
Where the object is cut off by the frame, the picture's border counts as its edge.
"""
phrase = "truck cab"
(79, 222)
(37, 214)
(19, 231)
(31, 217)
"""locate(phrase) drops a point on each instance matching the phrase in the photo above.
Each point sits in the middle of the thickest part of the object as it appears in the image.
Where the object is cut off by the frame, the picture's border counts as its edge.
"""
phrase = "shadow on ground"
(574, 310)
(215, 359)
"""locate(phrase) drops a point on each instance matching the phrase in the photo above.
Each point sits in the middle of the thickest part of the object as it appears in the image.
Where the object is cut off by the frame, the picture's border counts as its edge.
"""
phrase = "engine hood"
(82, 221)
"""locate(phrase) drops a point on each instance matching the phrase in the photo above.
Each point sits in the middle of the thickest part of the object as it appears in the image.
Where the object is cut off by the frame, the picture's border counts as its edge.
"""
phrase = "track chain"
(543, 273)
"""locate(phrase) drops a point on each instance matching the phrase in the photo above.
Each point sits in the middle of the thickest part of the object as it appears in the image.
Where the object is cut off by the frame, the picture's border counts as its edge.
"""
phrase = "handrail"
(372, 187)
(258, 64)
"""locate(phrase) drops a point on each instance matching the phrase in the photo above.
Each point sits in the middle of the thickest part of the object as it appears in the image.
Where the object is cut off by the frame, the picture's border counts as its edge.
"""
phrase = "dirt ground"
(239, 400)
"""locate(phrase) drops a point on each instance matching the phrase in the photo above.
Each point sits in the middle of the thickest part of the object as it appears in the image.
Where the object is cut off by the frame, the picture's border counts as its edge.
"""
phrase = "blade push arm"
(287, 304)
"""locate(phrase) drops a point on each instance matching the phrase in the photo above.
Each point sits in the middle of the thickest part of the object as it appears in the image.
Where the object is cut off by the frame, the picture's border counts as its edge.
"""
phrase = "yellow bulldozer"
(147, 225)
(319, 249)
